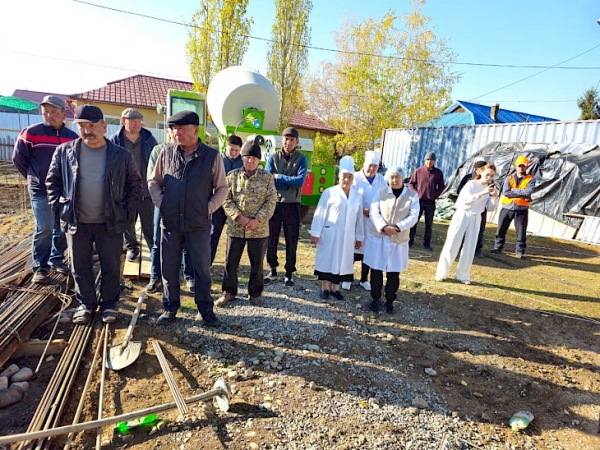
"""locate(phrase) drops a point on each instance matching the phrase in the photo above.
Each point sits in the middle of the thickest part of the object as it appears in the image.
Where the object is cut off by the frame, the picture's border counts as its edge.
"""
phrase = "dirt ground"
(524, 336)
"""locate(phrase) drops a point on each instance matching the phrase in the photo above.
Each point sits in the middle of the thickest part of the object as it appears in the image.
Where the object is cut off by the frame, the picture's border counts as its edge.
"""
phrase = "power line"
(310, 47)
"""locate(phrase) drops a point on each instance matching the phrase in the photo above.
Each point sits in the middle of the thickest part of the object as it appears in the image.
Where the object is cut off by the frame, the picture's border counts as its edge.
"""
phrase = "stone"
(420, 403)
(429, 371)
(10, 396)
(232, 375)
(3, 383)
(249, 373)
(24, 385)
(9, 371)
(22, 375)
(253, 445)
(312, 347)
(312, 385)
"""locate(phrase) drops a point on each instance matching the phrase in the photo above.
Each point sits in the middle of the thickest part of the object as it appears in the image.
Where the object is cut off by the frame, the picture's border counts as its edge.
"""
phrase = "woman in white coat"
(369, 182)
(394, 211)
(337, 230)
(477, 195)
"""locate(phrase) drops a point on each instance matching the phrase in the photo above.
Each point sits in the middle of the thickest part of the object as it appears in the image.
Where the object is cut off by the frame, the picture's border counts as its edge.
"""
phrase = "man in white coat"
(337, 231)
(394, 210)
(369, 182)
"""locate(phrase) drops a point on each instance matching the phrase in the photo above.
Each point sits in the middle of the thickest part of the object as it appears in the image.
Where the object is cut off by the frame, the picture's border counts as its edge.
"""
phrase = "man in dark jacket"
(140, 142)
(428, 182)
(31, 156)
(231, 161)
(94, 186)
(188, 184)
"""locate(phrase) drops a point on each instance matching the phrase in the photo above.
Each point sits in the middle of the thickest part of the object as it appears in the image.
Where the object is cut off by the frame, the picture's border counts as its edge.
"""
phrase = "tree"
(383, 77)
(287, 57)
(589, 104)
(217, 39)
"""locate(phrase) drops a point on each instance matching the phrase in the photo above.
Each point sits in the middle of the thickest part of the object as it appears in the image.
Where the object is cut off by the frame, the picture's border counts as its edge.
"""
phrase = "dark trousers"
(197, 243)
(504, 218)
(155, 272)
(256, 254)
(145, 210)
(219, 218)
(427, 207)
(81, 251)
(364, 269)
(391, 285)
(479, 245)
(288, 215)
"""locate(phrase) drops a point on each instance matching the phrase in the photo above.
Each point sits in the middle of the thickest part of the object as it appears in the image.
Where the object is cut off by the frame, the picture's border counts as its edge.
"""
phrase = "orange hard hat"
(521, 160)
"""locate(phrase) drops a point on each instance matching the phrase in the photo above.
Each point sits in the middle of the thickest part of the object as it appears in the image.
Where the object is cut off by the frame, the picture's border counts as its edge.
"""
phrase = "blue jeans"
(81, 249)
(155, 272)
(49, 242)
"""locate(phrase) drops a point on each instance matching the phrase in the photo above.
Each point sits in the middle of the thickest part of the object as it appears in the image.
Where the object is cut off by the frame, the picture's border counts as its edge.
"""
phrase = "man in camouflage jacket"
(249, 205)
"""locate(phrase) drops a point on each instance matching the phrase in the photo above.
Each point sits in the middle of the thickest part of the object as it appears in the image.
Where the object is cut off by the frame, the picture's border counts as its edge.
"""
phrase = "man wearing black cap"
(477, 169)
(428, 182)
(289, 171)
(249, 206)
(94, 185)
(140, 142)
(188, 184)
(31, 156)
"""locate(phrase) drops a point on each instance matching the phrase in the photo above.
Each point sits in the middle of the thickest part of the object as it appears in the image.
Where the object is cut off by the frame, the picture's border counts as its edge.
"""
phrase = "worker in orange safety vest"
(516, 197)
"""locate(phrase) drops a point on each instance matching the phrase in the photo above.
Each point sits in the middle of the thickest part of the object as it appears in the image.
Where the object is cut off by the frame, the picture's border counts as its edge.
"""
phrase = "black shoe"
(153, 285)
(133, 254)
(337, 295)
(389, 307)
(428, 248)
(271, 277)
(40, 277)
(411, 243)
(496, 250)
(374, 305)
(215, 323)
(289, 282)
(61, 268)
(167, 317)
(324, 294)
(478, 253)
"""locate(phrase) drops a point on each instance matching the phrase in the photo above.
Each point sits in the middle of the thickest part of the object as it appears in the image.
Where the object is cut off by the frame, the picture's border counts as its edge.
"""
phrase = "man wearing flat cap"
(288, 167)
(140, 142)
(428, 182)
(94, 185)
(31, 156)
(188, 184)
(249, 206)
(478, 166)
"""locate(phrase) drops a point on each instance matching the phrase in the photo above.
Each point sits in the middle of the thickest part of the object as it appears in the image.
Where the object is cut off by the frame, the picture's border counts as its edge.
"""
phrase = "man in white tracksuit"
(337, 231)
(369, 182)
(394, 210)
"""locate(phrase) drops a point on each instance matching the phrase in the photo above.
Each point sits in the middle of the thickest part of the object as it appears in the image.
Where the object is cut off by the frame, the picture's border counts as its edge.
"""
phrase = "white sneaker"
(346, 285)
(365, 285)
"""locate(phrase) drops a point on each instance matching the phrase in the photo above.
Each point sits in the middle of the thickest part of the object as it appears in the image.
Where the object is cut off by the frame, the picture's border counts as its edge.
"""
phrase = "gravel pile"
(321, 375)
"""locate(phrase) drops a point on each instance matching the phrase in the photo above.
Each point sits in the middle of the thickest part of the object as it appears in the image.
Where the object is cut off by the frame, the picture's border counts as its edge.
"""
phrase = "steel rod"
(181, 406)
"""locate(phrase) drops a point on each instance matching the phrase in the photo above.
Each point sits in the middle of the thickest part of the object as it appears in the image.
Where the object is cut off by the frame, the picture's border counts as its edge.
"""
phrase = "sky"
(68, 46)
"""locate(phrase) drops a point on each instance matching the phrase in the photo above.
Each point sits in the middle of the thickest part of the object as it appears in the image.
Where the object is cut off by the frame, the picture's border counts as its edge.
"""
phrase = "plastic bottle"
(123, 427)
(520, 420)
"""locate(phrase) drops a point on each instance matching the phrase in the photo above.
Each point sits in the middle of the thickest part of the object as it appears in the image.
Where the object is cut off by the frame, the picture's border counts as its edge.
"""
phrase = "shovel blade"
(117, 359)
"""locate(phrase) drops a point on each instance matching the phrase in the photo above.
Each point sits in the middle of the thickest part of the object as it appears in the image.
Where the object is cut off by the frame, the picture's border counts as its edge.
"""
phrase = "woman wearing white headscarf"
(337, 230)
(394, 210)
(369, 182)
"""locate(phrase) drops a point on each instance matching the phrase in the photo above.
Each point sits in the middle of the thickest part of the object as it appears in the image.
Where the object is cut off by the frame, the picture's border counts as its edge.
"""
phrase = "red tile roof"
(140, 90)
(37, 97)
(302, 120)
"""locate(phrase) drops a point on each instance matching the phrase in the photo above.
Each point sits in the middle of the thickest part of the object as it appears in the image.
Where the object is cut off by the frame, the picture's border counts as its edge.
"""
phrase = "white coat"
(368, 191)
(338, 225)
(465, 222)
(382, 254)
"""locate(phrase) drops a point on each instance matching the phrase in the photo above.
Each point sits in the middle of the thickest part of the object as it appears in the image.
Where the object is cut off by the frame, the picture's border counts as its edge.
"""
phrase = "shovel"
(123, 355)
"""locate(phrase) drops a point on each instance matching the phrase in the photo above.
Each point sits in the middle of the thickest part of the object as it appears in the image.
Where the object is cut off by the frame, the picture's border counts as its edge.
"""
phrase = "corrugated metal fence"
(11, 125)
(453, 145)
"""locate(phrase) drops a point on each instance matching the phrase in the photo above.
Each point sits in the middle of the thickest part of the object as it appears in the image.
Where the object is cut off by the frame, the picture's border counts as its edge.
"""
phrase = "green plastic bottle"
(123, 427)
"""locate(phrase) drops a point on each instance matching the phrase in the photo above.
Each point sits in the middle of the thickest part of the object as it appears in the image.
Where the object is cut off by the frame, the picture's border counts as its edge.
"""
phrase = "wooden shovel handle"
(136, 313)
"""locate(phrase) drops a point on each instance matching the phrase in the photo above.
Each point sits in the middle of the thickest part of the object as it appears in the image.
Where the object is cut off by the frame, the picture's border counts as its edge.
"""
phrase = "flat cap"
(54, 100)
(131, 113)
(290, 131)
(184, 118)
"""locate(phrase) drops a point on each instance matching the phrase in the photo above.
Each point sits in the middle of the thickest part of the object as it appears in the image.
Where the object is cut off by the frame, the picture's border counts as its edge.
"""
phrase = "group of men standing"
(87, 192)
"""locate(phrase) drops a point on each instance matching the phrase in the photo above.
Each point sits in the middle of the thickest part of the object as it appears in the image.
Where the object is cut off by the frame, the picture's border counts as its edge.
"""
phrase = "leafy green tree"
(388, 73)
(218, 38)
(324, 150)
(589, 103)
(287, 57)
